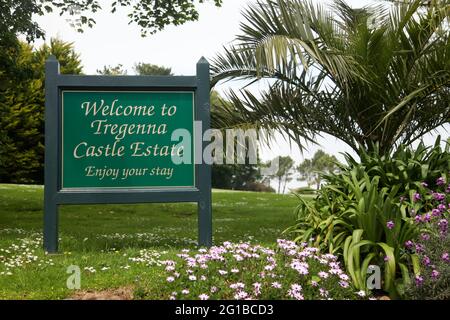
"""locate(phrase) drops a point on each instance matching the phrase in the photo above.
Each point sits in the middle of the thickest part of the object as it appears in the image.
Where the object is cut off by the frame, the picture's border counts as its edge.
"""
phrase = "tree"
(222, 176)
(141, 68)
(245, 174)
(154, 15)
(235, 176)
(16, 16)
(311, 169)
(112, 70)
(69, 60)
(284, 173)
(148, 69)
(371, 75)
(22, 112)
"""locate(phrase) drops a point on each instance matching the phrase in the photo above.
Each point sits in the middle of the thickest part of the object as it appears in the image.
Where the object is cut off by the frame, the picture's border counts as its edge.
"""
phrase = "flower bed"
(432, 247)
(245, 271)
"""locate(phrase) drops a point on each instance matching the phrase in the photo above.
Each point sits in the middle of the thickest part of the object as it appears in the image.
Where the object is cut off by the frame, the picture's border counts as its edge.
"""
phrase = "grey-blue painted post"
(51, 156)
(204, 169)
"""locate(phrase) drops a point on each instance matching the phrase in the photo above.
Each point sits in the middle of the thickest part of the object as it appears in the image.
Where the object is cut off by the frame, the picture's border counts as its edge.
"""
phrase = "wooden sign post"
(112, 139)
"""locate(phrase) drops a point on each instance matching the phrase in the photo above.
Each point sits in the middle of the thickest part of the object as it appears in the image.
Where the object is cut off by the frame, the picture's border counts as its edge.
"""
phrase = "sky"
(113, 41)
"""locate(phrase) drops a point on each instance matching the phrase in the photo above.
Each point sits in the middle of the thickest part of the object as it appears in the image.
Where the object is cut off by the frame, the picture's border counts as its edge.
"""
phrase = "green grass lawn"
(119, 245)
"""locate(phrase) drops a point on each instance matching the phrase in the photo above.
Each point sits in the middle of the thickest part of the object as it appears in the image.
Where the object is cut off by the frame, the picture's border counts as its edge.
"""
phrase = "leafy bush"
(364, 213)
(234, 176)
(408, 170)
(257, 187)
(244, 271)
(304, 190)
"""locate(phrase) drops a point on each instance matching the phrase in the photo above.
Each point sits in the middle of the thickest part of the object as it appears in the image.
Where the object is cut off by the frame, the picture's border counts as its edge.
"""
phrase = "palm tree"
(376, 74)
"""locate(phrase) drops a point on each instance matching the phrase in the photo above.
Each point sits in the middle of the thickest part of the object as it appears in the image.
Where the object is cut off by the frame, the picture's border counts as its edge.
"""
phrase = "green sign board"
(123, 139)
(126, 139)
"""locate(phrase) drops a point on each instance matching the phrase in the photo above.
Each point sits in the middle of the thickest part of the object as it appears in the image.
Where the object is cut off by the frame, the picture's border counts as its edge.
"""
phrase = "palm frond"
(378, 73)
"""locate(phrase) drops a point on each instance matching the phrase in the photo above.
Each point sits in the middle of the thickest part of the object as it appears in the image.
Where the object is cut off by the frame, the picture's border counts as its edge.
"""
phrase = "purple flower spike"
(443, 225)
(409, 244)
(440, 181)
(418, 219)
(390, 225)
(416, 197)
(424, 184)
(419, 248)
(435, 212)
(425, 236)
(438, 196)
(445, 257)
(419, 280)
(435, 274)
(426, 261)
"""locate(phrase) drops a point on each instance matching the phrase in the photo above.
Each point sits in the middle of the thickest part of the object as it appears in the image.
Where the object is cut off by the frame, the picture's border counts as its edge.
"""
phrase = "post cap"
(202, 61)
